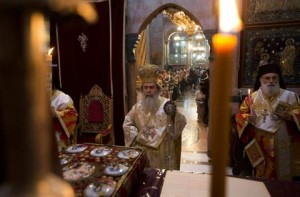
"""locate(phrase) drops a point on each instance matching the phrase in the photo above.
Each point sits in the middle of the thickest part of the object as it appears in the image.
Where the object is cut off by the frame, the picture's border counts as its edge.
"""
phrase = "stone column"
(131, 40)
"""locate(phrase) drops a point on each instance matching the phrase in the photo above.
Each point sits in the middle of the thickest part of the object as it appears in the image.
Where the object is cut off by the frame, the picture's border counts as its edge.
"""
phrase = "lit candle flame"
(230, 21)
(249, 91)
(50, 51)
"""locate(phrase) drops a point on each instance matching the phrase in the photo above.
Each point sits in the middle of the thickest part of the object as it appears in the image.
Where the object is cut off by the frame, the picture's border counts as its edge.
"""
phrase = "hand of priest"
(285, 116)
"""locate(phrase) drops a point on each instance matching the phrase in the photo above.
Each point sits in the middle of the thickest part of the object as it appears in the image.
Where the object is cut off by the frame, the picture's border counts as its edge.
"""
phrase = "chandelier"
(180, 19)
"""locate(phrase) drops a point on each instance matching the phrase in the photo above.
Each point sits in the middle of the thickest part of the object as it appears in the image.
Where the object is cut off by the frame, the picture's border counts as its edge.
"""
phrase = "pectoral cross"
(265, 114)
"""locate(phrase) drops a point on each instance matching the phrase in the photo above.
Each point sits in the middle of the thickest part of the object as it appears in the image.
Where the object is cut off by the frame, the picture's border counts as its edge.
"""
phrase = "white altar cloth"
(187, 184)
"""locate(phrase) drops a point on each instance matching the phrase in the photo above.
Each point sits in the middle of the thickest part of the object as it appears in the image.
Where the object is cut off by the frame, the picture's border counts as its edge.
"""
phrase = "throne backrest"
(95, 111)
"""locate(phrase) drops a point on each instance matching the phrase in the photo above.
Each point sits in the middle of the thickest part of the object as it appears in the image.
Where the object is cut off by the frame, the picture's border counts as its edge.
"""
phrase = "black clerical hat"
(268, 68)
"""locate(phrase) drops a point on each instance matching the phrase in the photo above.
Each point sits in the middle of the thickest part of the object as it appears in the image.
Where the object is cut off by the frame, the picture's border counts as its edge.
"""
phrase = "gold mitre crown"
(149, 73)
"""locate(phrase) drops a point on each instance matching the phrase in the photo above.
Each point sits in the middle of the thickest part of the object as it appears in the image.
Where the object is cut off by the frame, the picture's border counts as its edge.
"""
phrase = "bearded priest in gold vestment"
(154, 124)
(268, 126)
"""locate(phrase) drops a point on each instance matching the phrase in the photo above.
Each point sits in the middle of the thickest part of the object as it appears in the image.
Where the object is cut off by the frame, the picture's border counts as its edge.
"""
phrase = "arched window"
(186, 50)
(200, 50)
(177, 50)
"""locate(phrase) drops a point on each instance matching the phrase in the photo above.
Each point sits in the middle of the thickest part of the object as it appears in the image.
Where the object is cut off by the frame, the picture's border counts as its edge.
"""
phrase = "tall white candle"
(224, 45)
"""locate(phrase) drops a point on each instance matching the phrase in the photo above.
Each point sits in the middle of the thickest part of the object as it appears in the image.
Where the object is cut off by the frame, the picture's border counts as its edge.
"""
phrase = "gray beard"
(270, 90)
(151, 103)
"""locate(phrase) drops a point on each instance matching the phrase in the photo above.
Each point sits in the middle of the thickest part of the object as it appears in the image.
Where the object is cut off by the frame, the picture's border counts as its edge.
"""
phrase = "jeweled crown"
(149, 73)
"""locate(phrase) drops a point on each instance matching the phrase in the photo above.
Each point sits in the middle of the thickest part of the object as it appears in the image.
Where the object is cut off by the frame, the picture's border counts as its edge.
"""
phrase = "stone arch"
(132, 41)
(160, 9)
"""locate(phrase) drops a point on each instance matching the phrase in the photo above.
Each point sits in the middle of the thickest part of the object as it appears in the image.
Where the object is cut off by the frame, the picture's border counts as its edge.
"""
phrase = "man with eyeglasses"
(268, 124)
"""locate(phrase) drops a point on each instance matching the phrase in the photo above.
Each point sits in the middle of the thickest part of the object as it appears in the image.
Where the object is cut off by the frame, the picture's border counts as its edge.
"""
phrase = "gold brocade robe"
(66, 117)
(278, 139)
(162, 149)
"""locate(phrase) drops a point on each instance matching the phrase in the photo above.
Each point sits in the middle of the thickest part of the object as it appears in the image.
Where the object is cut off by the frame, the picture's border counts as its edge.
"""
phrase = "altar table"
(103, 169)
(162, 183)
(193, 185)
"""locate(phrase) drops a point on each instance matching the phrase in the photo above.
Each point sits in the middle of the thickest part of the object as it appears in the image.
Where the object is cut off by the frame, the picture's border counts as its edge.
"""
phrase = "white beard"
(270, 90)
(151, 103)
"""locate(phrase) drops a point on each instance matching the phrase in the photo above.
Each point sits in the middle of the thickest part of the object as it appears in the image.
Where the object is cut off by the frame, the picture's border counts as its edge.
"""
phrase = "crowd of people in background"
(175, 82)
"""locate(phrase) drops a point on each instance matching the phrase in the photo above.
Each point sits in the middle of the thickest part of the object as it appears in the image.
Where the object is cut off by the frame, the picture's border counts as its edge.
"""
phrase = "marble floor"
(194, 137)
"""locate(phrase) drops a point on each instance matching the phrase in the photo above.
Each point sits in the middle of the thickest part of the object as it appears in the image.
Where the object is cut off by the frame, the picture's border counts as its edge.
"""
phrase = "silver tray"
(76, 148)
(78, 171)
(103, 187)
(101, 151)
(128, 154)
(116, 170)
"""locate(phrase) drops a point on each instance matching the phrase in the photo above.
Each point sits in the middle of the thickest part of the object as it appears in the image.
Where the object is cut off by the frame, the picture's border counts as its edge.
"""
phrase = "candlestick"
(249, 97)
(48, 56)
(224, 45)
(250, 102)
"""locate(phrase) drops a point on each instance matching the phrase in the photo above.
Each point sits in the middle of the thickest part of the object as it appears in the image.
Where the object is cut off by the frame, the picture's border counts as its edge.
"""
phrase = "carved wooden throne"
(95, 115)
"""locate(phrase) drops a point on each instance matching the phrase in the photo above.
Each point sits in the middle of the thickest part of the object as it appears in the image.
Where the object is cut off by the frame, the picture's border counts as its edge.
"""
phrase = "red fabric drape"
(81, 70)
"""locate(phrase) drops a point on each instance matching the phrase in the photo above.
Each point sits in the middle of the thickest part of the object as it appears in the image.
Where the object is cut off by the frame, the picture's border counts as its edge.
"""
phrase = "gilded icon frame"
(271, 40)
(270, 11)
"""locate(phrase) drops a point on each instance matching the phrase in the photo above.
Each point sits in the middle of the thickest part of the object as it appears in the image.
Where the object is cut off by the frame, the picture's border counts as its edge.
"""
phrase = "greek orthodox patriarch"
(154, 123)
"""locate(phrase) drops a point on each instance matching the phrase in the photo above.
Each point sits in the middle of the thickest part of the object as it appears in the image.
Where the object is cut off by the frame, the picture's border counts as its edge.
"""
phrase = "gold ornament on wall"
(180, 19)
(82, 38)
